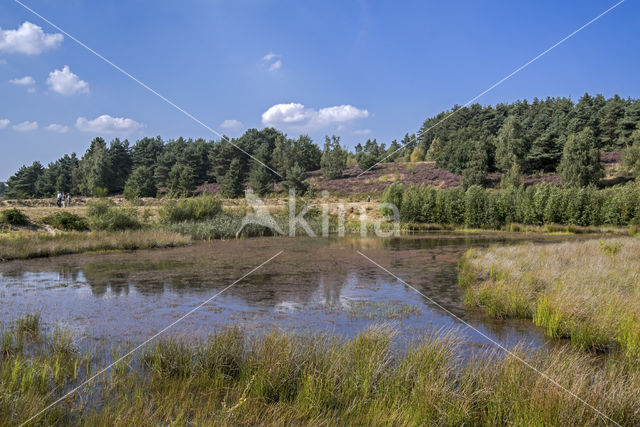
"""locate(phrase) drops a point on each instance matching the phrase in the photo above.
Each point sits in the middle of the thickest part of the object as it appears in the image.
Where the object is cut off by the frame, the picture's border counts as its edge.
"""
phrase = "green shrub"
(104, 215)
(14, 216)
(66, 221)
(536, 205)
(194, 209)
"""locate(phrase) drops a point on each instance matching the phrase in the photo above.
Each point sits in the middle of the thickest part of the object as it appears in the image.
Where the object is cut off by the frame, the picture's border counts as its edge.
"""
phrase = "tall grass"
(586, 291)
(282, 378)
(21, 245)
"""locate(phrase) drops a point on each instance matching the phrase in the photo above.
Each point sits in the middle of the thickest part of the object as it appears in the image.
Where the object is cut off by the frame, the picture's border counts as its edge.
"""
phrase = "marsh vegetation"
(281, 378)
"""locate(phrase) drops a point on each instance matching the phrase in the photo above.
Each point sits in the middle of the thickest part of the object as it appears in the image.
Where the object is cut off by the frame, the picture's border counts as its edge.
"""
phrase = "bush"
(66, 221)
(194, 209)
(14, 217)
(104, 215)
(392, 194)
(536, 205)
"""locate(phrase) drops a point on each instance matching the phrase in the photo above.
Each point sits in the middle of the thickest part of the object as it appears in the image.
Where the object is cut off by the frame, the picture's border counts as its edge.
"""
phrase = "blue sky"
(383, 66)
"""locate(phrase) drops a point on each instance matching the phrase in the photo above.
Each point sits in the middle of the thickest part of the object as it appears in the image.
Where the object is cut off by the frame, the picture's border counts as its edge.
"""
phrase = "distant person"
(64, 200)
(69, 199)
(59, 199)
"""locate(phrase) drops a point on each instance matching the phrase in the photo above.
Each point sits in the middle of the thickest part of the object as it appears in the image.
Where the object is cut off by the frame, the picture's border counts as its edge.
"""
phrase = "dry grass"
(28, 244)
(588, 291)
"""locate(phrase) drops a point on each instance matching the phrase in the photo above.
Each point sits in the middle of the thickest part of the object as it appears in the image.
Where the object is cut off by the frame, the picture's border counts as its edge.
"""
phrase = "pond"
(315, 285)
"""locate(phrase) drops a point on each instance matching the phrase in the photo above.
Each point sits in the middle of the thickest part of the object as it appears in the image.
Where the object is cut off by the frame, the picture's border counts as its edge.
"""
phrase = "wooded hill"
(551, 135)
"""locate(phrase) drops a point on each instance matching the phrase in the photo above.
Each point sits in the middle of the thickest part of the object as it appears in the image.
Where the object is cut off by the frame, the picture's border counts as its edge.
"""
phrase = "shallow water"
(315, 285)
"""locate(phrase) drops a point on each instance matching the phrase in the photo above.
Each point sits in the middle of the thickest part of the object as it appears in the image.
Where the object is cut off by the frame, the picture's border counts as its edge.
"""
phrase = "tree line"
(552, 135)
(541, 204)
(528, 137)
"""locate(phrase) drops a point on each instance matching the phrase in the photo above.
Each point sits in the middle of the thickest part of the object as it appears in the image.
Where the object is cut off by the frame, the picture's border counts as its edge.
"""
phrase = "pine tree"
(475, 172)
(231, 184)
(580, 165)
(434, 150)
(95, 168)
(261, 178)
(631, 157)
(334, 158)
(510, 145)
(140, 183)
(295, 178)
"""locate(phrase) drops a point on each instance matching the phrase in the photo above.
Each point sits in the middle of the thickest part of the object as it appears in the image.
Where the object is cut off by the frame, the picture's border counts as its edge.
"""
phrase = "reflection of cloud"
(66, 83)
(25, 126)
(272, 61)
(28, 39)
(110, 125)
(299, 117)
(288, 306)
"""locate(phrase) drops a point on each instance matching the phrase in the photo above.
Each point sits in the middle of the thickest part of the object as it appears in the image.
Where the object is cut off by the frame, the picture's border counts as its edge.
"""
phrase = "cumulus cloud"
(23, 81)
(362, 131)
(272, 61)
(4, 123)
(66, 83)
(106, 124)
(231, 125)
(54, 127)
(28, 39)
(25, 126)
(298, 117)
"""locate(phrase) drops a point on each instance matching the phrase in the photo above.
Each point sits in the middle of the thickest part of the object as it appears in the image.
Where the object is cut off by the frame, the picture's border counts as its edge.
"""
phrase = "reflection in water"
(312, 286)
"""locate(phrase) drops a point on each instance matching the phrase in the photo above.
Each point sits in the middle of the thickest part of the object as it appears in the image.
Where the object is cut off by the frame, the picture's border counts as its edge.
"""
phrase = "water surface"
(315, 285)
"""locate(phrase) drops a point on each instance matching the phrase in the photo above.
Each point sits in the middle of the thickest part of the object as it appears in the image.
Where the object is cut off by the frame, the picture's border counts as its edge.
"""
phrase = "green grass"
(21, 245)
(587, 291)
(282, 378)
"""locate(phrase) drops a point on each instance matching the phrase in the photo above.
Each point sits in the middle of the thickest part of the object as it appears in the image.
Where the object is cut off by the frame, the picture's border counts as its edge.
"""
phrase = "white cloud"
(272, 61)
(362, 131)
(25, 126)
(109, 125)
(28, 39)
(54, 127)
(231, 124)
(298, 117)
(4, 123)
(66, 83)
(23, 81)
